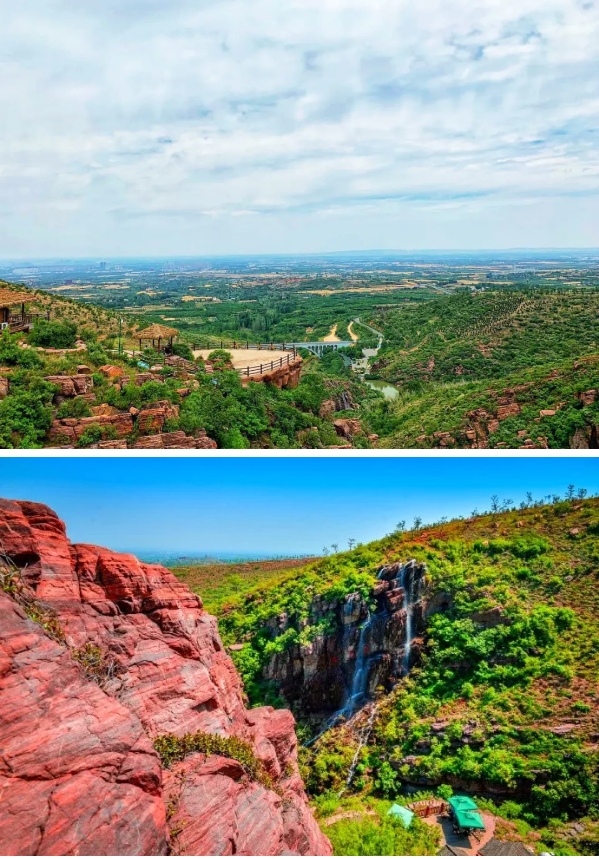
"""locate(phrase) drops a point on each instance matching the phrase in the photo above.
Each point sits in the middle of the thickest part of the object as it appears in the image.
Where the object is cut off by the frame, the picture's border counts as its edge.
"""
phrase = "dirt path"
(351, 332)
(348, 815)
(332, 336)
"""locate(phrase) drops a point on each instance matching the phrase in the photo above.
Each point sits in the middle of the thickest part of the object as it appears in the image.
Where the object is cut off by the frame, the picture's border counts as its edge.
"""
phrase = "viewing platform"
(277, 366)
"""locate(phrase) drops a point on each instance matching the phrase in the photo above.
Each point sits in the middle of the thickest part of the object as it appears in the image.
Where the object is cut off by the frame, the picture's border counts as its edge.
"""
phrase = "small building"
(13, 316)
(160, 336)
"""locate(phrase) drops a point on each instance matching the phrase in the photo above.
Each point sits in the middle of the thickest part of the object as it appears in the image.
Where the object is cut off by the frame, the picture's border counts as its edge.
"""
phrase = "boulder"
(4, 386)
(110, 371)
(587, 398)
(71, 429)
(347, 427)
(152, 418)
(508, 411)
(71, 386)
(547, 413)
(174, 440)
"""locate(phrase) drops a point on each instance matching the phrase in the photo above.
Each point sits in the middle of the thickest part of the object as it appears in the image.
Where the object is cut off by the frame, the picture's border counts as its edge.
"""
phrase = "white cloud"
(120, 115)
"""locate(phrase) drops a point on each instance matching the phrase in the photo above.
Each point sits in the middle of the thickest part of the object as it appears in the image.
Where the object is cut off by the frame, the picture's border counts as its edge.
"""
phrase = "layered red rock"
(72, 386)
(71, 429)
(78, 774)
(172, 676)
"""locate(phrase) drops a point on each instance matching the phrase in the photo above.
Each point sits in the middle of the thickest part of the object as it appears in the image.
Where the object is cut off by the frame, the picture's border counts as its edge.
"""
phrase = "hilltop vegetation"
(78, 341)
(487, 335)
(499, 367)
(502, 700)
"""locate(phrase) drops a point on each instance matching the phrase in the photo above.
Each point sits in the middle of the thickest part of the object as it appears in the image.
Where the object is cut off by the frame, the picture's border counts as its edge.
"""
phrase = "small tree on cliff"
(351, 543)
(335, 547)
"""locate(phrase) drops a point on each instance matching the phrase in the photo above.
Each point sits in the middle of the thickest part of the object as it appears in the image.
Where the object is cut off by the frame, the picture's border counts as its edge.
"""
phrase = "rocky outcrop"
(78, 771)
(316, 678)
(175, 440)
(347, 427)
(71, 386)
(70, 430)
(153, 418)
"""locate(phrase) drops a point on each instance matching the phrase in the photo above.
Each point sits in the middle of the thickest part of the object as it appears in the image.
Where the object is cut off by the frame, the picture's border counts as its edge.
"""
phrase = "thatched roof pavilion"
(157, 333)
(10, 297)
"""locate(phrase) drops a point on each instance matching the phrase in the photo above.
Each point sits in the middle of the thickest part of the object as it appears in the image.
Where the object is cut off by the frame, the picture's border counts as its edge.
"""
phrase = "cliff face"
(78, 771)
(381, 641)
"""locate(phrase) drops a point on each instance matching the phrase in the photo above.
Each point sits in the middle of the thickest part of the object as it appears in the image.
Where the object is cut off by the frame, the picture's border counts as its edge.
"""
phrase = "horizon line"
(102, 257)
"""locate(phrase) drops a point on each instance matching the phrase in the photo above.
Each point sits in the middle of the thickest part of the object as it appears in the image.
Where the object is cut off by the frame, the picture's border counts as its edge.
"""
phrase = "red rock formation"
(71, 386)
(175, 441)
(78, 774)
(82, 778)
(69, 430)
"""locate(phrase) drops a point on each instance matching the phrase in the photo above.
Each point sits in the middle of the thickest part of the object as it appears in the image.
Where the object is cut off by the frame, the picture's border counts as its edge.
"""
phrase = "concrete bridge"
(320, 346)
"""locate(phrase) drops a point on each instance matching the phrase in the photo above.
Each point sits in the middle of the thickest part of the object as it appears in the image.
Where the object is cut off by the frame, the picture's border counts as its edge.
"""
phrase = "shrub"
(26, 416)
(220, 356)
(13, 355)
(183, 350)
(76, 407)
(53, 334)
(96, 665)
(92, 435)
(173, 749)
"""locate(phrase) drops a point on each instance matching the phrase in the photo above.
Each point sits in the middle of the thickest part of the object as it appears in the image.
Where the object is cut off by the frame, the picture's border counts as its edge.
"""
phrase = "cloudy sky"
(231, 126)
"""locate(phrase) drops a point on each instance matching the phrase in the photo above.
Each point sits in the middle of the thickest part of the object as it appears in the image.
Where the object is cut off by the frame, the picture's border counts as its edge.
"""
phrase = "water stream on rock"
(358, 694)
(408, 604)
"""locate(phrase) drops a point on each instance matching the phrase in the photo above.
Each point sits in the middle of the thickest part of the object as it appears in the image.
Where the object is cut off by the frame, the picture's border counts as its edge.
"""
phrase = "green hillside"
(504, 693)
(82, 335)
(487, 335)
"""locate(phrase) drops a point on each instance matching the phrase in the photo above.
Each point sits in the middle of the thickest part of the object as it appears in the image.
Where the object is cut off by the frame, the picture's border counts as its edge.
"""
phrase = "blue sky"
(272, 505)
(138, 127)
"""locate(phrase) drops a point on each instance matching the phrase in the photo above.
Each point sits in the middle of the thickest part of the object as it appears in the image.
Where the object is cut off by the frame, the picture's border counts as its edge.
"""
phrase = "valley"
(457, 657)
(459, 351)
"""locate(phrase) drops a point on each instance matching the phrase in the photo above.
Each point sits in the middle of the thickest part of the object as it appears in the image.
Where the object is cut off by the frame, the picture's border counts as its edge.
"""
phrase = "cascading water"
(357, 696)
(407, 583)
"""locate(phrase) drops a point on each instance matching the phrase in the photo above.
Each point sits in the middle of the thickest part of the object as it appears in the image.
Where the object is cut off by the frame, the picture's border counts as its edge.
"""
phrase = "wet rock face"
(317, 678)
(78, 772)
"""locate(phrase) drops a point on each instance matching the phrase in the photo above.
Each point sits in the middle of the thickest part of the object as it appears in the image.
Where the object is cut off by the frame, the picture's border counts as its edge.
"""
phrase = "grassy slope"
(489, 335)
(460, 353)
(507, 688)
(413, 418)
(217, 584)
(86, 316)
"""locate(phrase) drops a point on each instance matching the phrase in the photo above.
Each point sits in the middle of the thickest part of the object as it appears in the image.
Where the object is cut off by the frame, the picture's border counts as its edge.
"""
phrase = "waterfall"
(410, 598)
(358, 693)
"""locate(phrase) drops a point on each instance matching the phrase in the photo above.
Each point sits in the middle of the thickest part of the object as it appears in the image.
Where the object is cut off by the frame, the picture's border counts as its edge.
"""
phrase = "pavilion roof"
(154, 331)
(9, 297)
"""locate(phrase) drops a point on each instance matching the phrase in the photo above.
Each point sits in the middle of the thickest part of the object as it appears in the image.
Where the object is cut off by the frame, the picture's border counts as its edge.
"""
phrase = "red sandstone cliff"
(78, 771)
